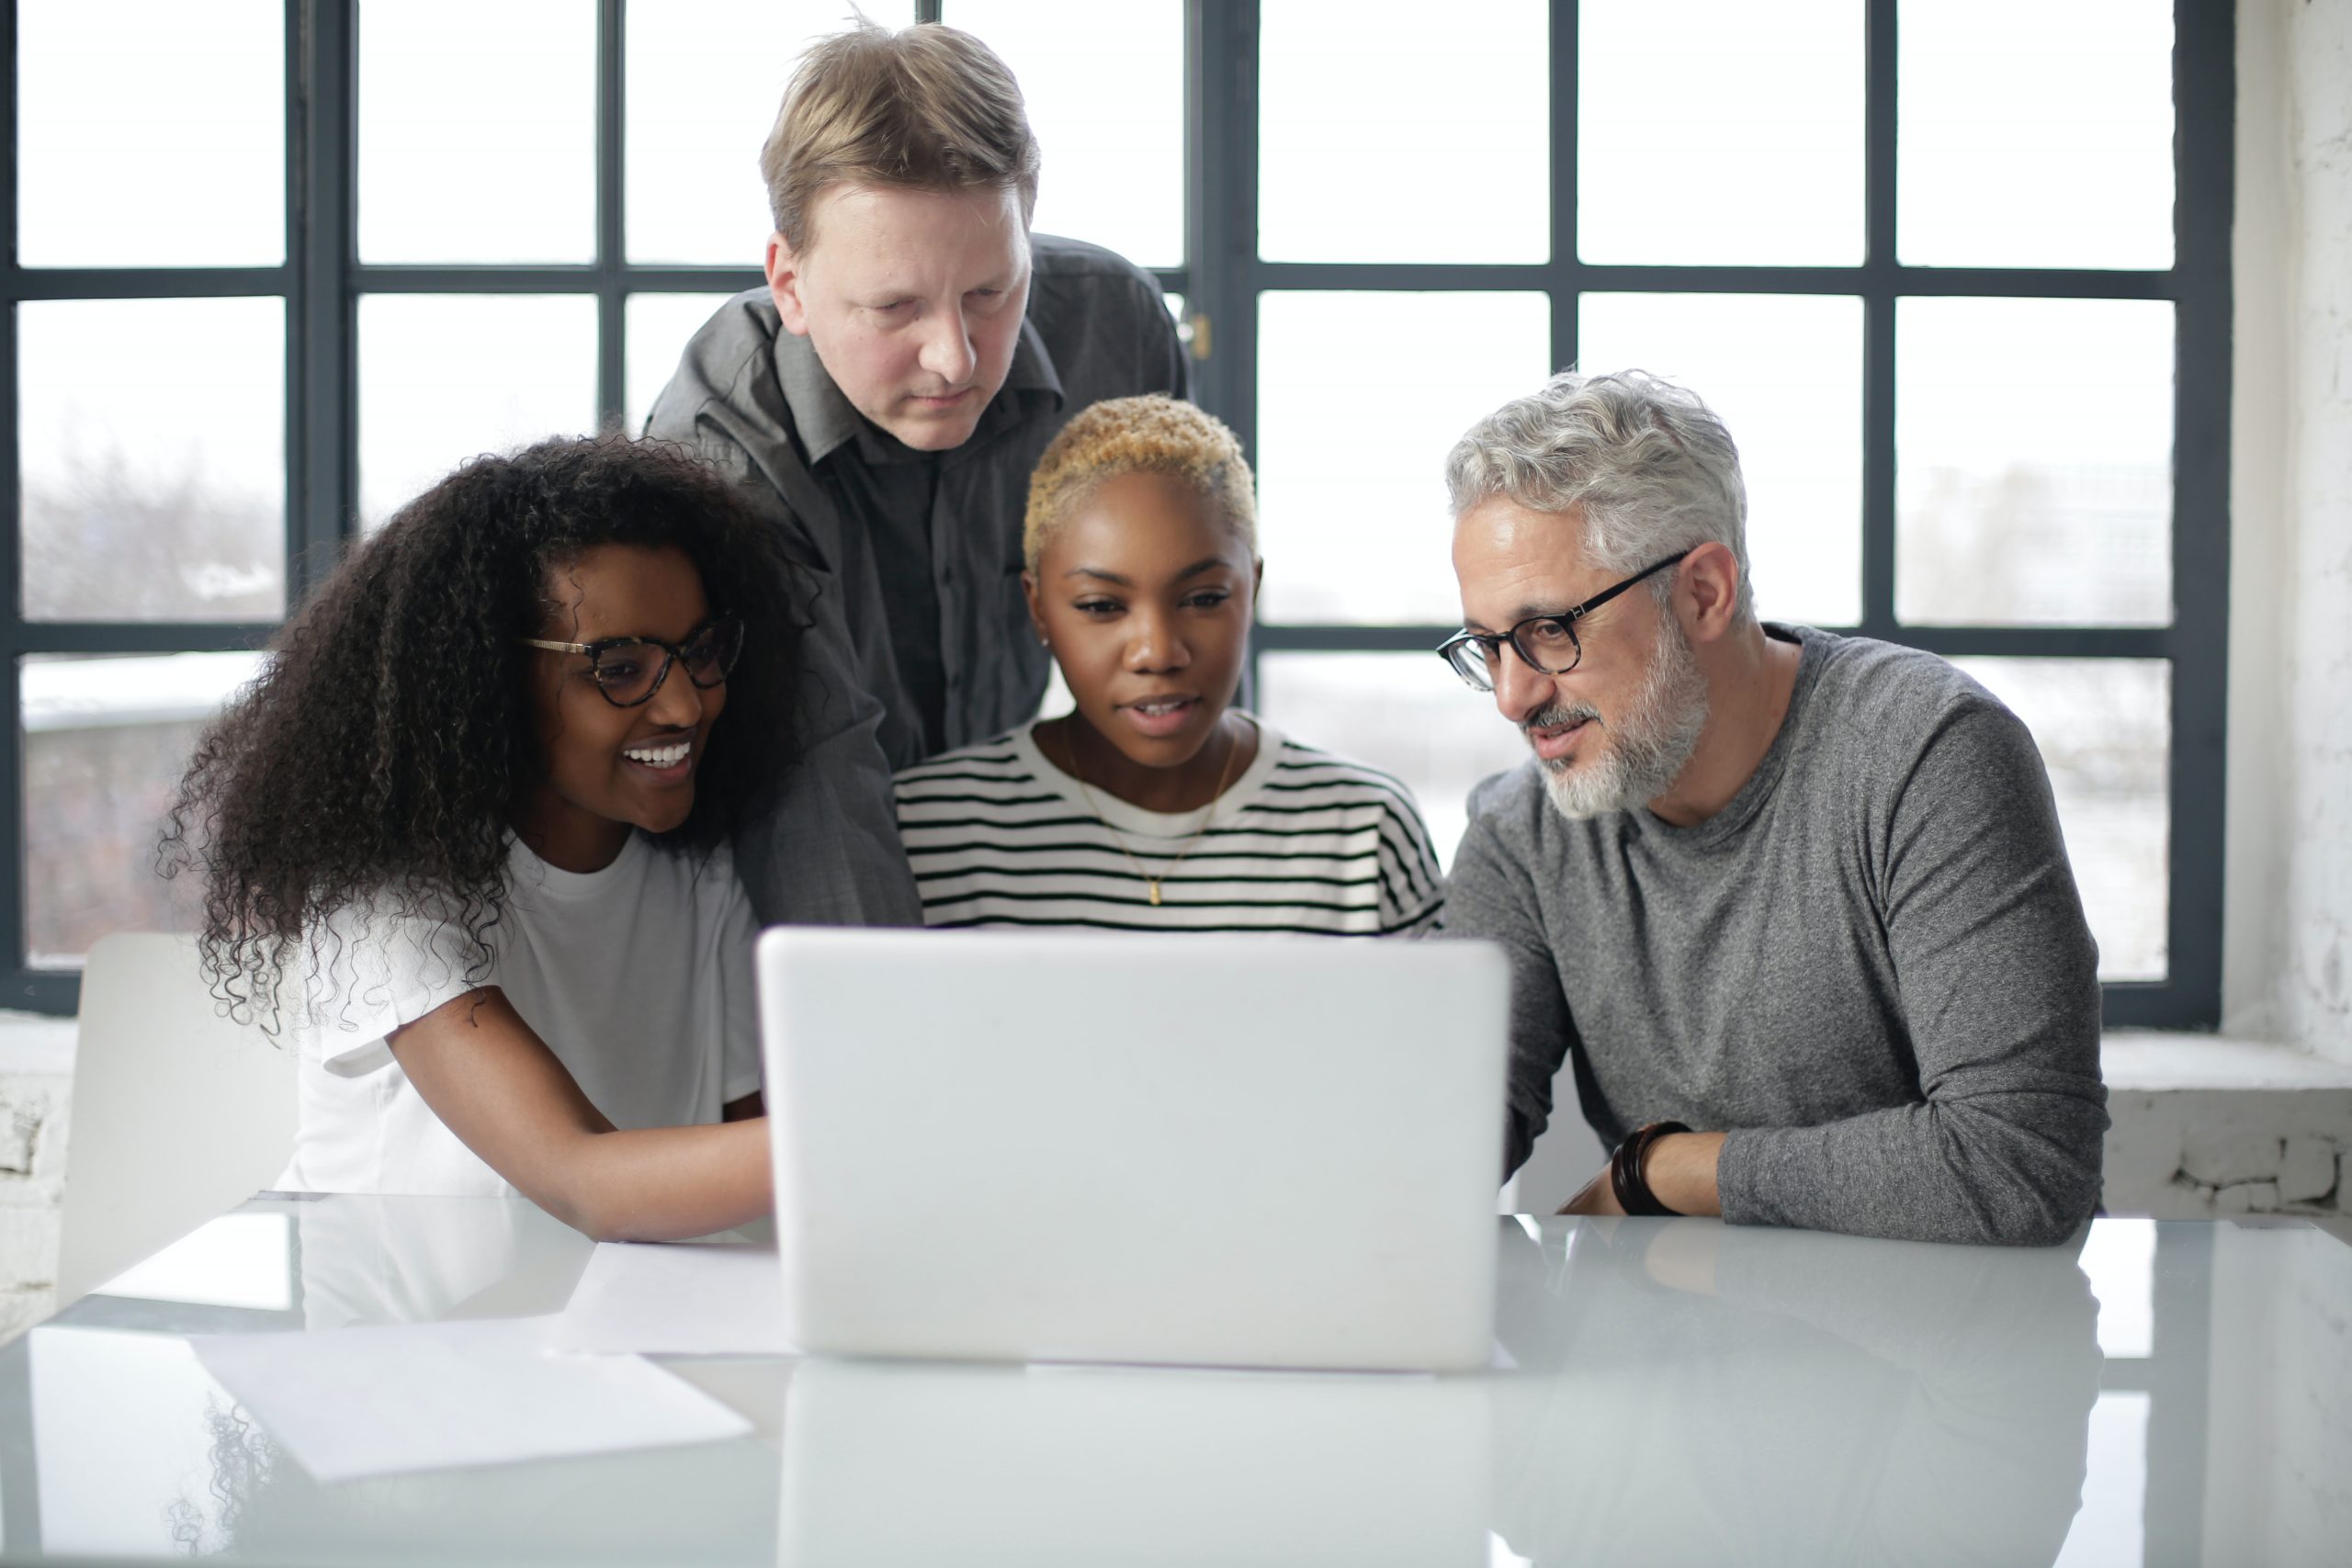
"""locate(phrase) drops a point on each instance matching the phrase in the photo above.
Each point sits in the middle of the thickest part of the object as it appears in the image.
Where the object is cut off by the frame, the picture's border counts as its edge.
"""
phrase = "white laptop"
(1251, 1152)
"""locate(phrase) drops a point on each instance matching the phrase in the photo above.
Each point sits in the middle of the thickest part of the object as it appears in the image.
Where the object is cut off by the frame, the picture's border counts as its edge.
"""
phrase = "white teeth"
(659, 756)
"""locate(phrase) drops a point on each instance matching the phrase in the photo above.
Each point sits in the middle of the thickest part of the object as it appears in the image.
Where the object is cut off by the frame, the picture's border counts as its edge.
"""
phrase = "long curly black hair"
(382, 753)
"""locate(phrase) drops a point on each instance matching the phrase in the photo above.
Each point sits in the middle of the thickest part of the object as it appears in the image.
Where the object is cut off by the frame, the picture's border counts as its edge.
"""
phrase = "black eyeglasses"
(629, 670)
(1547, 643)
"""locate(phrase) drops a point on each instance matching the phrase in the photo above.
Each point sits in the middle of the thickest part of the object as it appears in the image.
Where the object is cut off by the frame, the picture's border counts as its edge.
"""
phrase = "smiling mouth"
(1553, 742)
(660, 758)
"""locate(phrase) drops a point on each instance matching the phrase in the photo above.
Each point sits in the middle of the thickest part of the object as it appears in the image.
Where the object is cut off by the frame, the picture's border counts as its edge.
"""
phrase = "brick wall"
(2204, 1127)
(32, 1181)
(2201, 1154)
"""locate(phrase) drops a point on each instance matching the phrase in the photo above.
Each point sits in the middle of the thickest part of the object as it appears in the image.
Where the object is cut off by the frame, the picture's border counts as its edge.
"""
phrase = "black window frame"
(1228, 277)
(322, 279)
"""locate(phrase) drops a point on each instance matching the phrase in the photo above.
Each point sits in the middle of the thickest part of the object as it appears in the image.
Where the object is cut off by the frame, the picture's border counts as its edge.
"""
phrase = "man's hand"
(1680, 1170)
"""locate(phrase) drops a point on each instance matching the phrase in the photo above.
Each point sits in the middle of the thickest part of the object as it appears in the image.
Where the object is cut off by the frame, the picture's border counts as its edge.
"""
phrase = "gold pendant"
(1153, 883)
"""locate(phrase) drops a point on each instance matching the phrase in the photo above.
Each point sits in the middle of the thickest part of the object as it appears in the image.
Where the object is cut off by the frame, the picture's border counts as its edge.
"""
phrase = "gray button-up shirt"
(892, 673)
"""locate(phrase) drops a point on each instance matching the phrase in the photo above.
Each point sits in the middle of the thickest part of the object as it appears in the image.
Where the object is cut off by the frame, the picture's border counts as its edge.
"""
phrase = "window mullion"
(1222, 197)
(612, 345)
(321, 417)
(2205, 110)
(1880, 281)
(1564, 272)
(1222, 73)
(17, 991)
(99, 637)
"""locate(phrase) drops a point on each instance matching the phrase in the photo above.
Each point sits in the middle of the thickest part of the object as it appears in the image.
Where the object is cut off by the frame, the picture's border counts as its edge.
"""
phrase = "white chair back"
(177, 1113)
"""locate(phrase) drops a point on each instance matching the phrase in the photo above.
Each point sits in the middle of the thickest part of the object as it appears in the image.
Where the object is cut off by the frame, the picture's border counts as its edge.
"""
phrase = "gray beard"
(1648, 745)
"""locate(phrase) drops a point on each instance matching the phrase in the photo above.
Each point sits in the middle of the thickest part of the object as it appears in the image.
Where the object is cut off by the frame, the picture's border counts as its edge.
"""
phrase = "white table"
(1674, 1391)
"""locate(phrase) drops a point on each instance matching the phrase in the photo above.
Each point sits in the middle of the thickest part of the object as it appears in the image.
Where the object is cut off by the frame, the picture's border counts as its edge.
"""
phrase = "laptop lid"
(1212, 1150)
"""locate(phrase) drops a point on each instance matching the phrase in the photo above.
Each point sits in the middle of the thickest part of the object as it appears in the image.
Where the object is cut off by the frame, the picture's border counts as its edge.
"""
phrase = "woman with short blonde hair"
(1155, 804)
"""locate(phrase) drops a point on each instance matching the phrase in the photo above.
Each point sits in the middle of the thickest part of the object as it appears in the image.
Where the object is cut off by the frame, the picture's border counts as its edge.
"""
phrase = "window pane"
(1404, 713)
(1181, 314)
(1084, 66)
(659, 328)
(151, 133)
(444, 377)
(154, 445)
(2035, 135)
(478, 131)
(2104, 730)
(1720, 131)
(1351, 487)
(2033, 474)
(105, 740)
(706, 78)
(1785, 372)
(1395, 133)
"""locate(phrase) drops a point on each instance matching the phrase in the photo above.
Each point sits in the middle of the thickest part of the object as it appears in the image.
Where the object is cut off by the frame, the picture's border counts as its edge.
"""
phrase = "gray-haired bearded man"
(1800, 898)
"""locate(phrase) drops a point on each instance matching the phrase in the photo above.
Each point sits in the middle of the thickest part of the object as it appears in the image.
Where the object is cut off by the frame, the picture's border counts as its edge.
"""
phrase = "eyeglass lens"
(1474, 662)
(628, 673)
(1549, 645)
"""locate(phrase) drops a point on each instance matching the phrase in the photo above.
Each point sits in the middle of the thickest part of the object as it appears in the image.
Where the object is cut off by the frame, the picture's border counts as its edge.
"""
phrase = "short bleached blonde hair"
(1153, 435)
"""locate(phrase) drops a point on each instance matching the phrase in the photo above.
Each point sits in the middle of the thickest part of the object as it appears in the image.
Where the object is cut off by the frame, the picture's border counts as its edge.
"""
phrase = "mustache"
(1558, 713)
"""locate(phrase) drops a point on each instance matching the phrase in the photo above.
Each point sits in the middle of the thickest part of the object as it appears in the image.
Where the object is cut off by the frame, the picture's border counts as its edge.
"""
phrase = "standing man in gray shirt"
(1794, 904)
(884, 400)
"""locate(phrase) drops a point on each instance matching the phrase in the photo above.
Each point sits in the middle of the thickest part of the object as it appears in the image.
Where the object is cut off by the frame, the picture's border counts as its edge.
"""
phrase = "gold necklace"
(1151, 884)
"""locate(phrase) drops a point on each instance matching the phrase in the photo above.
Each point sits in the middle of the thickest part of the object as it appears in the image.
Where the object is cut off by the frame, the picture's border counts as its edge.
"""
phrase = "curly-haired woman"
(468, 829)
(1155, 805)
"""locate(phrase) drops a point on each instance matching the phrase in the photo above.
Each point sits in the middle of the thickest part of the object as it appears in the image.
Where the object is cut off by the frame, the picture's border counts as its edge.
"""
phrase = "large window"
(1956, 276)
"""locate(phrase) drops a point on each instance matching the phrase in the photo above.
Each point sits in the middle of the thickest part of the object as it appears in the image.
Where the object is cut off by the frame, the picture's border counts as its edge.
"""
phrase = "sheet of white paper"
(711, 1299)
(353, 1401)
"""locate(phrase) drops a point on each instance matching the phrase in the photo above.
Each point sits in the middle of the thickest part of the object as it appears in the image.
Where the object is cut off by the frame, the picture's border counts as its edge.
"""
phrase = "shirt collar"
(821, 412)
(826, 419)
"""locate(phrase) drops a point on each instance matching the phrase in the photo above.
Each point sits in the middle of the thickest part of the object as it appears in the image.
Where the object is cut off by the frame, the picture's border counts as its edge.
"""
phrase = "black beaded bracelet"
(1625, 1175)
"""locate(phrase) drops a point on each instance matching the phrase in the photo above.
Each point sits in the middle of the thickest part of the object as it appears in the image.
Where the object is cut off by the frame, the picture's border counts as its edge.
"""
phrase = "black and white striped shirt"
(1302, 842)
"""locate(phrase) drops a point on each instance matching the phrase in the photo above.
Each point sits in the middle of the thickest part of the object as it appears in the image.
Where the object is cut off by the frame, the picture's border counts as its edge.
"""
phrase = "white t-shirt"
(637, 976)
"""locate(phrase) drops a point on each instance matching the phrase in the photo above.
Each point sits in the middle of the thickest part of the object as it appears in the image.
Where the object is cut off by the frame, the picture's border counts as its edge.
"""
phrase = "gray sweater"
(1871, 968)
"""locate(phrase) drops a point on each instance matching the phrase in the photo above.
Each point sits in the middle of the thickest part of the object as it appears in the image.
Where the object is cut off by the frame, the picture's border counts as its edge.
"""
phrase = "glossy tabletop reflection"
(1663, 1391)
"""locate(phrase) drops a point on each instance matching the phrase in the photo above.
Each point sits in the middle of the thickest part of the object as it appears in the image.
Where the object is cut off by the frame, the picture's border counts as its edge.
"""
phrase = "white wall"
(2287, 960)
(2277, 1452)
